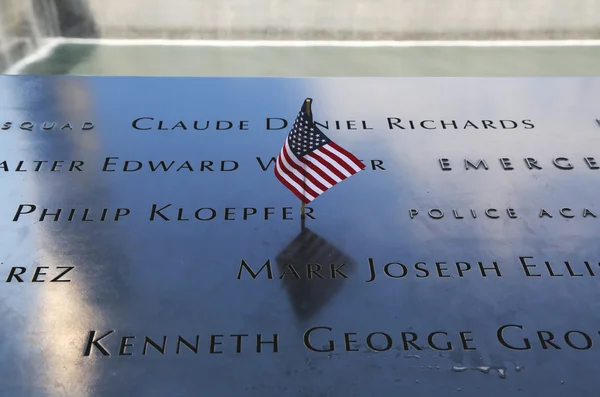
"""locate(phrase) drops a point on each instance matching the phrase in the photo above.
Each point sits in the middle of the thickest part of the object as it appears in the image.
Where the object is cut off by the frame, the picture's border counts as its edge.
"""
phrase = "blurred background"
(301, 38)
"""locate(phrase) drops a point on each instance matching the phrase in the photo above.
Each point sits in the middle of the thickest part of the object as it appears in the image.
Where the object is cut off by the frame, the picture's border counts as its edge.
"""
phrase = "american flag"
(309, 163)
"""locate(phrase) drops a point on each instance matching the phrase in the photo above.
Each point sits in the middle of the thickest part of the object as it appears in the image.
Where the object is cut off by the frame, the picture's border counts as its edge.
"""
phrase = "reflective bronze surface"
(340, 332)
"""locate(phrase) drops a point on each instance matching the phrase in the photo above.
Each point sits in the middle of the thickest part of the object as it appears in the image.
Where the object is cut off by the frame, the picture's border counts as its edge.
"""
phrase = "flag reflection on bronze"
(313, 271)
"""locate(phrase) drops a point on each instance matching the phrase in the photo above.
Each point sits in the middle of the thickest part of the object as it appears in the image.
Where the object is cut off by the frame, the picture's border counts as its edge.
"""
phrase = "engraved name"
(116, 164)
(529, 266)
(510, 336)
(102, 343)
(158, 213)
(278, 123)
(325, 339)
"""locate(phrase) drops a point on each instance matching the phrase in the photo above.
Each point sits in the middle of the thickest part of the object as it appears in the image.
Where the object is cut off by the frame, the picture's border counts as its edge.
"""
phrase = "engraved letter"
(532, 163)
(501, 339)
(311, 347)
(20, 211)
(505, 161)
(16, 275)
(567, 166)
(96, 343)
(263, 166)
(438, 213)
(464, 339)
(525, 266)
(57, 279)
(487, 212)
(135, 123)
(591, 162)
(155, 212)
(566, 209)
(254, 275)
(395, 123)
(434, 346)
(445, 164)
(588, 340)
(476, 166)
(285, 123)
(587, 212)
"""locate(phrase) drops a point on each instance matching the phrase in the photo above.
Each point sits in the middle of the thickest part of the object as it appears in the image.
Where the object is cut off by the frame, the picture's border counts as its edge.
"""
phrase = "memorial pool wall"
(349, 19)
(25, 24)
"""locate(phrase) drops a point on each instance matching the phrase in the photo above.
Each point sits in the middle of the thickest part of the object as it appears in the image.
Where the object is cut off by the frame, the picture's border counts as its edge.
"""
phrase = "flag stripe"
(348, 166)
(332, 165)
(298, 177)
(348, 155)
(326, 167)
(315, 166)
(296, 192)
(286, 179)
(301, 169)
(300, 184)
(284, 175)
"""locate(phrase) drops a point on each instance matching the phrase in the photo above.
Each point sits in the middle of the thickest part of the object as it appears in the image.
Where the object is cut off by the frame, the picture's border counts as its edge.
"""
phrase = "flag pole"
(307, 102)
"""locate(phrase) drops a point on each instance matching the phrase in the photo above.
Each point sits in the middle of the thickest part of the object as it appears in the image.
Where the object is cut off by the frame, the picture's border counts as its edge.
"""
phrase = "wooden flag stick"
(307, 102)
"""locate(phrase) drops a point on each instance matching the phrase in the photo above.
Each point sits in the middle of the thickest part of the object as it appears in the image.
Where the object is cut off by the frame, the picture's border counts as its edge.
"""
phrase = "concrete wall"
(348, 19)
(19, 33)
(25, 23)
